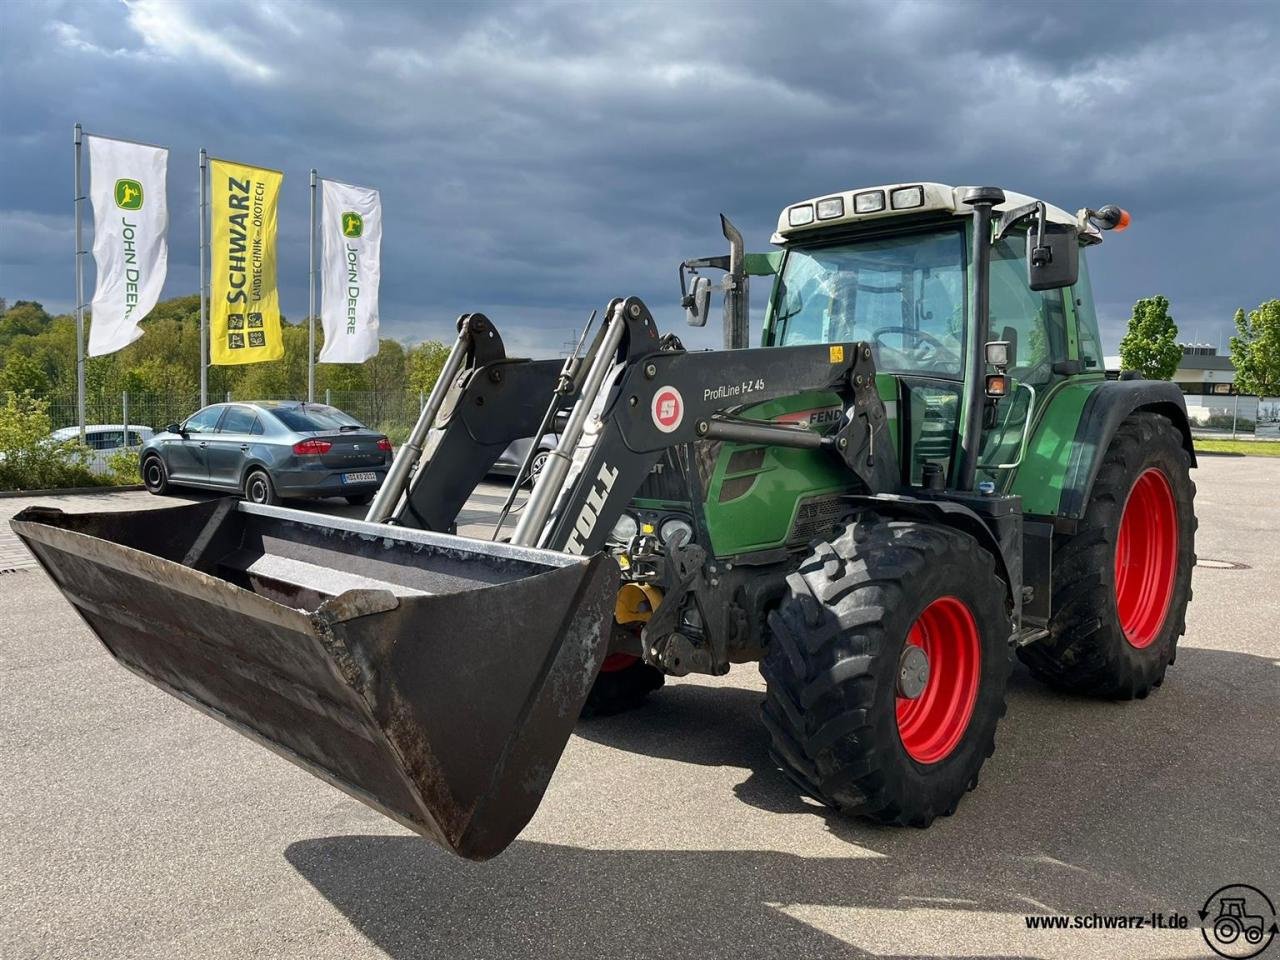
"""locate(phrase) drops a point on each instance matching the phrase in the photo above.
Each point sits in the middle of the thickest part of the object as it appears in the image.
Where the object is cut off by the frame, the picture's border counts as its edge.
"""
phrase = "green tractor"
(920, 473)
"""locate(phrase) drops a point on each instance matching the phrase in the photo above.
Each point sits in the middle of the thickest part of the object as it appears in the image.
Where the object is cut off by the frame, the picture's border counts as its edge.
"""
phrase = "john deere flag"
(244, 306)
(130, 217)
(351, 228)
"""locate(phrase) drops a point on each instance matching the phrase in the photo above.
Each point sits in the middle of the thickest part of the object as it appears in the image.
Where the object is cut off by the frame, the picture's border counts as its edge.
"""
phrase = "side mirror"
(172, 428)
(1053, 257)
(697, 302)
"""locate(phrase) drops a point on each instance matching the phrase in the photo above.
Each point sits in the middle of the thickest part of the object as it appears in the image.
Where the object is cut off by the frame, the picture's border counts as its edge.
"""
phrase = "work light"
(907, 197)
(800, 214)
(831, 208)
(870, 202)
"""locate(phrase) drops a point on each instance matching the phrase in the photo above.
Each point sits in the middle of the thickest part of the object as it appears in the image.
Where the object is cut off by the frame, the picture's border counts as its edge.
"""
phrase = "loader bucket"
(433, 677)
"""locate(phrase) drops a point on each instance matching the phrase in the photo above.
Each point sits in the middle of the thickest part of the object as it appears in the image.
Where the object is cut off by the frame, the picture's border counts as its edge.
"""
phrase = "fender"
(1103, 410)
(1000, 533)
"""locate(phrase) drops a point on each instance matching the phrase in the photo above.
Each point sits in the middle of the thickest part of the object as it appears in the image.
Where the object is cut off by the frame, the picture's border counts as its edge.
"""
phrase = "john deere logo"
(128, 194)
(352, 224)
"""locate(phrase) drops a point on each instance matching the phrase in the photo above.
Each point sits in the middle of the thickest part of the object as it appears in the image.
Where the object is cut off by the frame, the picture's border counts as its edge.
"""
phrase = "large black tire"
(258, 487)
(832, 667)
(1088, 649)
(155, 476)
(622, 689)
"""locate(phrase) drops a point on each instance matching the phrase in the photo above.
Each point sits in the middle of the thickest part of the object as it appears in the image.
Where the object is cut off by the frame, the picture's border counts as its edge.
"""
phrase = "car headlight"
(626, 528)
(674, 526)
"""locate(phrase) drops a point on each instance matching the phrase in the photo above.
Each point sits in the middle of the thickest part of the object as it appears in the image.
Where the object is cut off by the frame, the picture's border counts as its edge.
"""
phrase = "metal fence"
(1235, 416)
(392, 412)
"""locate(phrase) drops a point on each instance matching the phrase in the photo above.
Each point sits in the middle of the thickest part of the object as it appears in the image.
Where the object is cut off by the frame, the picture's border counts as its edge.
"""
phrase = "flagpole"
(79, 203)
(204, 304)
(311, 295)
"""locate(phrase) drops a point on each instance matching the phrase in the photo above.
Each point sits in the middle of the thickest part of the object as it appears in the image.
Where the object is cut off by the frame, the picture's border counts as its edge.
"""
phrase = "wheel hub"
(1146, 559)
(913, 672)
(945, 639)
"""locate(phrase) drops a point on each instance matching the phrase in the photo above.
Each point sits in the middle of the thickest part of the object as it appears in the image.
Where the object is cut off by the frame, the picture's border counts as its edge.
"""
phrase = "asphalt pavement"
(132, 826)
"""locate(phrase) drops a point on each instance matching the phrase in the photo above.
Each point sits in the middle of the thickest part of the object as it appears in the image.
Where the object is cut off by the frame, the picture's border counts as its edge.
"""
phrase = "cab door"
(1035, 325)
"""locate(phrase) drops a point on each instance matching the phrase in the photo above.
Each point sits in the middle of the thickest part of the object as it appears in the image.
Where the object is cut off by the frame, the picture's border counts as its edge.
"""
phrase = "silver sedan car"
(268, 450)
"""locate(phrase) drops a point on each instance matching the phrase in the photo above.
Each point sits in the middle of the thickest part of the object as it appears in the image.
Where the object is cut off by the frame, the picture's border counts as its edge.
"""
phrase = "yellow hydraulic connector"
(636, 603)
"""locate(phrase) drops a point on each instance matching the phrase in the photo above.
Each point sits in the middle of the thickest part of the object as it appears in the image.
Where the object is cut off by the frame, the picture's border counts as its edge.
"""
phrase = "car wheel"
(535, 467)
(154, 476)
(258, 488)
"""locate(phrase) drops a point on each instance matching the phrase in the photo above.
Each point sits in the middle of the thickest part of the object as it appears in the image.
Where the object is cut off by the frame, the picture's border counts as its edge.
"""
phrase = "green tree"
(425, 363)
(1255, 351)
(1151, 345)
(23, 373)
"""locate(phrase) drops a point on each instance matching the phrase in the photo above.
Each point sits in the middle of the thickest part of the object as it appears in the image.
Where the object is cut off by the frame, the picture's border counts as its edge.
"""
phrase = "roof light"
(831, 208)
(800, 215)
(870, 202)
(905, 198)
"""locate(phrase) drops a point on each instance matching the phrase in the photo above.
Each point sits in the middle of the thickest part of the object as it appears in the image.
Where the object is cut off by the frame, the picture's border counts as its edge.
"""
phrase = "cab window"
(1086, 318)
(1034, 323)
(904, 294)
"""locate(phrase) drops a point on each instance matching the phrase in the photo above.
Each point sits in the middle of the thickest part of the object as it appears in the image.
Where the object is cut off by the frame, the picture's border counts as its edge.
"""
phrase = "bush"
(123, 466)
(29, 460)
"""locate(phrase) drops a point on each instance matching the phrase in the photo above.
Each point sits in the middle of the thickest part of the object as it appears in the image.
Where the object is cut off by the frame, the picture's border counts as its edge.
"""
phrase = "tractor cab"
(894, 266)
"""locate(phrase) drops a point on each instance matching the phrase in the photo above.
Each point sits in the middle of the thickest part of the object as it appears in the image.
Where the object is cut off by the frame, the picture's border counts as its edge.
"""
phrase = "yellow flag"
(244, 305)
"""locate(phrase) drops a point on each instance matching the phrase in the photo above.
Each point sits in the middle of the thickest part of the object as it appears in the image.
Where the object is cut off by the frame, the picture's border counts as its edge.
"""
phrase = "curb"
(69, 491)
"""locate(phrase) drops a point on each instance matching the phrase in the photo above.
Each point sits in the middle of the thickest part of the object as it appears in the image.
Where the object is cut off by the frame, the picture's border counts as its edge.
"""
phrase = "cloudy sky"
(536, 159)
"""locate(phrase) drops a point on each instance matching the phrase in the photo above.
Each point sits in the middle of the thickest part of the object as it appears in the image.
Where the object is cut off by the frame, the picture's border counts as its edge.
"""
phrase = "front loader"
(920, 473)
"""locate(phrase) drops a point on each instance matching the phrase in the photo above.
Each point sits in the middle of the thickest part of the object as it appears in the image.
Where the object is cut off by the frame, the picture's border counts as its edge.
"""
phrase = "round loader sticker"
(667, 409)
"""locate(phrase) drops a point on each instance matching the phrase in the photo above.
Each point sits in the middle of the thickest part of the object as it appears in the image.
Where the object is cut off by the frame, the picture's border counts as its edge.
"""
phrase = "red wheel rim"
(617, 661)
(932, 725)
(1146, 558)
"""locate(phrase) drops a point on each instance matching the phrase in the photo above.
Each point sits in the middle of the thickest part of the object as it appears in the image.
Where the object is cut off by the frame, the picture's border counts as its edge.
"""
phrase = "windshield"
(904, 294)
(314, 417)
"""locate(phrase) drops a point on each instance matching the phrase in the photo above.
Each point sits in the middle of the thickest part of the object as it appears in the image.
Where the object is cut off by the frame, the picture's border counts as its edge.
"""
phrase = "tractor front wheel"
(886, 670)
(1121, 583)
(623, 683)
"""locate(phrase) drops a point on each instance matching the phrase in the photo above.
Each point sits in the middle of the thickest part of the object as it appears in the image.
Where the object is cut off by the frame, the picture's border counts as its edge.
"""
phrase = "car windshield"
(312, 417)
(903, 294)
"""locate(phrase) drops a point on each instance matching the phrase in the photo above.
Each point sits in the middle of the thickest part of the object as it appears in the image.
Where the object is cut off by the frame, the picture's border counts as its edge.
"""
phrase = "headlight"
(672, 527)
(799, 215)
(625, 528)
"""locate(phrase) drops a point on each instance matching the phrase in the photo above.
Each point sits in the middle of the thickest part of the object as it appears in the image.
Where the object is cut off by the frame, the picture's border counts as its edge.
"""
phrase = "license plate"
(359, 477)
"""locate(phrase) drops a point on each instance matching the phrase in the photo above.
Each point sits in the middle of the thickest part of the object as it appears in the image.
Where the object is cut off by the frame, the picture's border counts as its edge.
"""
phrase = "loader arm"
(663, 399)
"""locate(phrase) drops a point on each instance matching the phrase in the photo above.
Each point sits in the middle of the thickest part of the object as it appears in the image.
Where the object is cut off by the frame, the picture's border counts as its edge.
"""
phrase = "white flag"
(130, 220)
(351, 232)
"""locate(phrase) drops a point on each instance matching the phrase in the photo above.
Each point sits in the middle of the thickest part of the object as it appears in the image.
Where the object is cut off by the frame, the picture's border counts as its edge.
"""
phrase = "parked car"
(508, 464)
(103, 440)
(267, 450)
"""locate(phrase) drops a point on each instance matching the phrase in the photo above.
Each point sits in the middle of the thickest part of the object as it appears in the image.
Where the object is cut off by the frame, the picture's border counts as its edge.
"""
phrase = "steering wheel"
(925, 348)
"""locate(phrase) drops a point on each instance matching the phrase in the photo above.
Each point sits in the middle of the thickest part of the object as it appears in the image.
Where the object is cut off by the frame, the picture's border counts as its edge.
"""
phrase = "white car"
(103, 440)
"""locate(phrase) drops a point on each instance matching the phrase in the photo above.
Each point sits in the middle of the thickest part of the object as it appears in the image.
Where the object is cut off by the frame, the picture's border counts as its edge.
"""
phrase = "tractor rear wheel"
(1121, 583)
(886, 670)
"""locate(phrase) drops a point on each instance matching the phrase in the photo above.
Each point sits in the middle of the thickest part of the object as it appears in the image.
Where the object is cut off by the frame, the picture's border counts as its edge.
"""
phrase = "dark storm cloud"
(536, 160)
